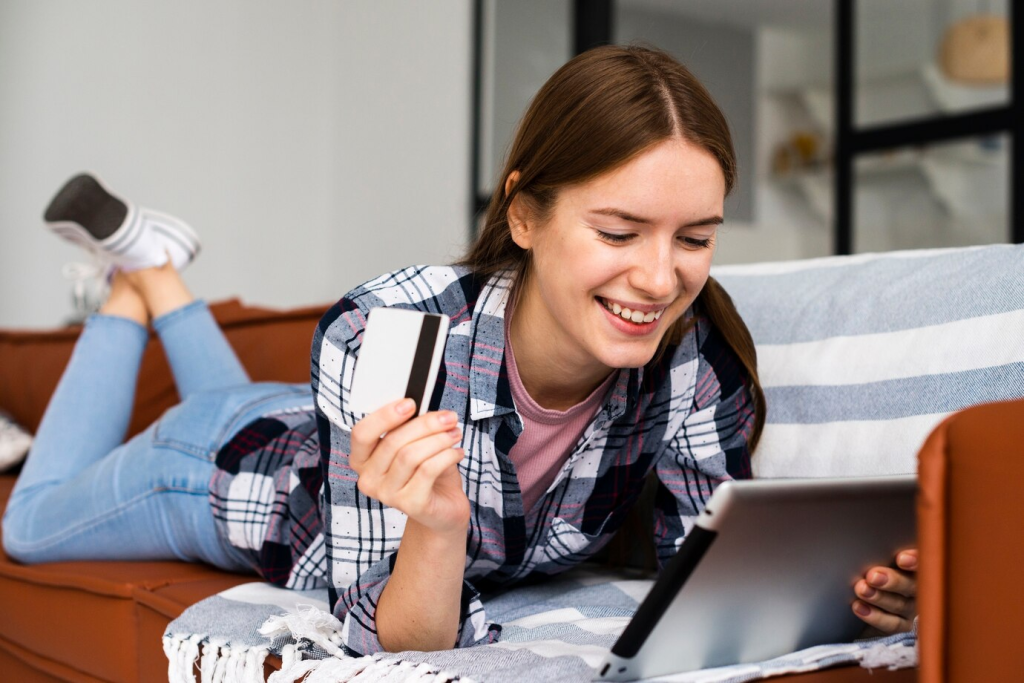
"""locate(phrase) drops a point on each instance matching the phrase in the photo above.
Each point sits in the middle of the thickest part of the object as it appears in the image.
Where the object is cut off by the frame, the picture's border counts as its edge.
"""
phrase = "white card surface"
(399, 357)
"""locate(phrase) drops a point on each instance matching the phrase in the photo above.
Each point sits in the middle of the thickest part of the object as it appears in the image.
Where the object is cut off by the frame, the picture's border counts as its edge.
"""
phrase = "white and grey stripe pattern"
(862, 356)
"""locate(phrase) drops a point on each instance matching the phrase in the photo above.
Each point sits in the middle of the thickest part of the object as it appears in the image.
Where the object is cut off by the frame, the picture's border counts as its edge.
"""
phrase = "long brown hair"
(597, 112)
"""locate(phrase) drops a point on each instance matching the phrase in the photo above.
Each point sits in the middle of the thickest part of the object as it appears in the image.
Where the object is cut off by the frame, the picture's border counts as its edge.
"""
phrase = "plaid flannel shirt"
(685, 417)
(265, 495)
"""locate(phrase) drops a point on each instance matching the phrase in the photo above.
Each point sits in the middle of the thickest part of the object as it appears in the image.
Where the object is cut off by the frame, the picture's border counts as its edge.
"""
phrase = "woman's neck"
(551, 378)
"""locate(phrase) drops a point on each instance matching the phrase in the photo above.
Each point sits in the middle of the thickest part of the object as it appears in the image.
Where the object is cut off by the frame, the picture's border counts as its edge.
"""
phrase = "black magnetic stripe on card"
(422, 358)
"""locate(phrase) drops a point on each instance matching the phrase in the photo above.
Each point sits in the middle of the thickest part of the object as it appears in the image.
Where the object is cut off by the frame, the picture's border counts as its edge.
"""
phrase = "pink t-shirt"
(548, 435)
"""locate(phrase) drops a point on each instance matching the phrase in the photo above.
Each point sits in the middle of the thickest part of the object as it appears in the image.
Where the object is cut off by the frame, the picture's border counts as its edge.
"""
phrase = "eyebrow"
(626, 216)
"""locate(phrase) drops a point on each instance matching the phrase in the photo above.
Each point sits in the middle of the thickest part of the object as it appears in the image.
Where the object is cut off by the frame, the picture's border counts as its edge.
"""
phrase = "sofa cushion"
(862, 356)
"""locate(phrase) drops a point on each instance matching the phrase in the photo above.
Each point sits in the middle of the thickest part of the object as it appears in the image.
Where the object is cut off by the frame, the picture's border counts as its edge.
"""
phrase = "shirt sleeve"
(357, 604)
(710, 444)
(361, 534)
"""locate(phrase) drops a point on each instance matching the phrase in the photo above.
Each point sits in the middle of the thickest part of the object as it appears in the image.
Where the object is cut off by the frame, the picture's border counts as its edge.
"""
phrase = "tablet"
(768, 569)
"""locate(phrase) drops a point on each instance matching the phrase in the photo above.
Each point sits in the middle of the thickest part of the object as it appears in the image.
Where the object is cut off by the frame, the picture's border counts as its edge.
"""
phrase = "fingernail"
(447, 418)
(406, 406)
(861, 609)
(868, 592)
(908, 561)
(455, 433)
(878, 578)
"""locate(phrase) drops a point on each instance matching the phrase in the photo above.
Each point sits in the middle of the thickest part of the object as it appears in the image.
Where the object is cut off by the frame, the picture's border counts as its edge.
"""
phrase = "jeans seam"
(116, 321)
(43, 544)
(161, 323)
(205, 453)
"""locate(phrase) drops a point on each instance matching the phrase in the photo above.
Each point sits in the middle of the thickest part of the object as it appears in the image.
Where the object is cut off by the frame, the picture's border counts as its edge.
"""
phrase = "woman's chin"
(627, 358)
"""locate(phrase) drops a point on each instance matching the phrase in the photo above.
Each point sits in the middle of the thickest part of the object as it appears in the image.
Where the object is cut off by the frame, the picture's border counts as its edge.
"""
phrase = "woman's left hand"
(886, 596)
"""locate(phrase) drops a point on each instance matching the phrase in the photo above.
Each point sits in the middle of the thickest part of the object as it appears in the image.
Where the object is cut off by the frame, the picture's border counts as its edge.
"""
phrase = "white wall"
(312, 144)
(723, 58)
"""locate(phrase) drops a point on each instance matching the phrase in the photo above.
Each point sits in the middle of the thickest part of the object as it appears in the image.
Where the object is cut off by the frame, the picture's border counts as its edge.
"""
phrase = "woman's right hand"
(414, 467)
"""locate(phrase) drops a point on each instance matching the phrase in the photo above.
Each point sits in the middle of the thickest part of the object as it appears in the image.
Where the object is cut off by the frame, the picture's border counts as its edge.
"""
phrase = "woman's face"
(635, 242)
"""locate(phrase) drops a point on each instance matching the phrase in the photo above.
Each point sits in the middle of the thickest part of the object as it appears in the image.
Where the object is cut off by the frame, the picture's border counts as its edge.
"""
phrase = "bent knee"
(23, 538)
(15, 540)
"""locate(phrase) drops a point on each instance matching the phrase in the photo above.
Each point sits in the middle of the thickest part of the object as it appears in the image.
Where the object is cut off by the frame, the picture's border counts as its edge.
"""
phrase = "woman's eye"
(613, 237)
(698, 243)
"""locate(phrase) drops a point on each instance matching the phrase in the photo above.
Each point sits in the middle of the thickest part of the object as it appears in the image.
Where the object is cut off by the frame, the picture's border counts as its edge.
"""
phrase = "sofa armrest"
(971, 535)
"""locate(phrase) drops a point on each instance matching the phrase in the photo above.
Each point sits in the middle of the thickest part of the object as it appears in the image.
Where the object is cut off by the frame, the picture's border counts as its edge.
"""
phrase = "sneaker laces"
(90, 284)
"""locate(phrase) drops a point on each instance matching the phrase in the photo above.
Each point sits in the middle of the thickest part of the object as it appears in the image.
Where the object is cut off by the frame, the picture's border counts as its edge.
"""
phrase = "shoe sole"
(84, 201)
(87, 213)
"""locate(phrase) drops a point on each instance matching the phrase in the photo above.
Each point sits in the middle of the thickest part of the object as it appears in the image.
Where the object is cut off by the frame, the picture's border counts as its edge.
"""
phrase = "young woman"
(588, 350)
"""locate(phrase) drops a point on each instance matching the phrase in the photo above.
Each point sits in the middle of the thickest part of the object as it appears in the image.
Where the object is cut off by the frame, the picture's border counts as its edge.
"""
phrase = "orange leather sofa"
(102, 621)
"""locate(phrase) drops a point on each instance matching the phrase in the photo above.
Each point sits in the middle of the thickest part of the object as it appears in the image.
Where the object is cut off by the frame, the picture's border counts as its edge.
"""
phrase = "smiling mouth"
(635, 317)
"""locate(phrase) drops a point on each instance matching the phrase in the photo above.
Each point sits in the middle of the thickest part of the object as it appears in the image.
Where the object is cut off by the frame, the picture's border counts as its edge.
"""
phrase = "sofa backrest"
(862, 356)
(272, 345)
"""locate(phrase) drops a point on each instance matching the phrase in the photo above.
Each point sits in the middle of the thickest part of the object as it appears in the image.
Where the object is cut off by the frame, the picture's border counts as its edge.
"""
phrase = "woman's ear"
(518, 215)
(511, 181)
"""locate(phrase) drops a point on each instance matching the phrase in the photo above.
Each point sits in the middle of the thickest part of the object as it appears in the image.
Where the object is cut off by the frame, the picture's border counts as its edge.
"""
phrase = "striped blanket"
(558, 631)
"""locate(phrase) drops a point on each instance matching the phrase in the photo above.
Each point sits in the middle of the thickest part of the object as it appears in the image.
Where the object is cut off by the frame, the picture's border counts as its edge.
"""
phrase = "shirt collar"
(490, 394)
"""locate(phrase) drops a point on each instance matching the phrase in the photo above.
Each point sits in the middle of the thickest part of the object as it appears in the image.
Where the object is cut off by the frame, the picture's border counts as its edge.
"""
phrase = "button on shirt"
(685, 417)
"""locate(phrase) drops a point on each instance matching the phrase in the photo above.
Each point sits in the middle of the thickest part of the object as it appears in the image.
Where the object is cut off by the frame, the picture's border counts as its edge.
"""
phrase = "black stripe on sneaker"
(130, 235)
(176, 238)
(175, 226)
(180, 228)
(120, 247)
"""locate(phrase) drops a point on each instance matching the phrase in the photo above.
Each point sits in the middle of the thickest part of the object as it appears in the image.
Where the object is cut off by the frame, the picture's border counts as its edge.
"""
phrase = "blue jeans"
(85, 495)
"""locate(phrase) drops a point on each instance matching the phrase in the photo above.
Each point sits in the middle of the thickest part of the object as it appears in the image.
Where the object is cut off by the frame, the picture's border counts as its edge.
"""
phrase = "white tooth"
(658, 314)
(616, 309)
(649, 318)
(625, 313)
(637, 317)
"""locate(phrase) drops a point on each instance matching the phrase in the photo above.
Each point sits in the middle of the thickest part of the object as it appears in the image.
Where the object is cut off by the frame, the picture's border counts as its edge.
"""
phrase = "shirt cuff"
(359, 624)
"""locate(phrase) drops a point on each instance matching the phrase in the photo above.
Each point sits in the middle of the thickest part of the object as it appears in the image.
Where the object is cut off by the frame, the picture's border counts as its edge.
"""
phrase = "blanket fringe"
(221, 663)
(308, 623)
(323, 629)
(891, 656)
(182, 654)
(362, 670)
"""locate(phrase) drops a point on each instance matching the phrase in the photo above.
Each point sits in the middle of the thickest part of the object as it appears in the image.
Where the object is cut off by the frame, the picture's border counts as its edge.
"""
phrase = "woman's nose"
(654, 272)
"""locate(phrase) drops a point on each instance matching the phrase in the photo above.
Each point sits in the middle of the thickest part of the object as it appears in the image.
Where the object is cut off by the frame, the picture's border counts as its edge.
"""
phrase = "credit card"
(399, 358)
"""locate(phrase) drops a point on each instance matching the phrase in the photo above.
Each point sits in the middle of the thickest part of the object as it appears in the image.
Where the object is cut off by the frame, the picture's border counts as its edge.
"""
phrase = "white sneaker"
(90, 286)
(88, 213)
(14, 442)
